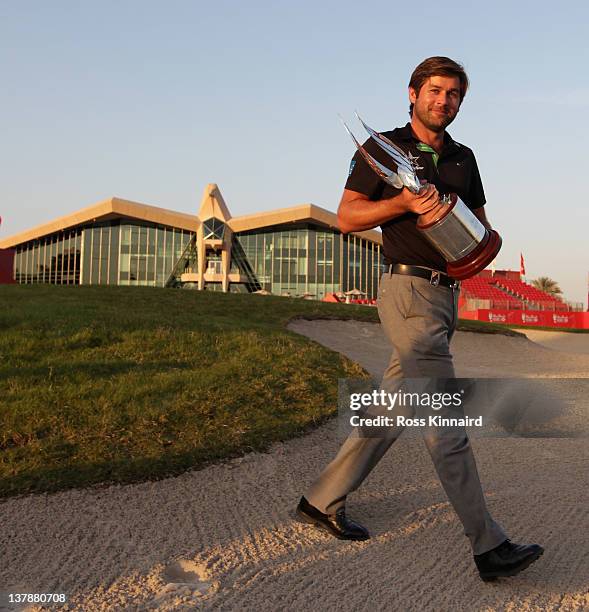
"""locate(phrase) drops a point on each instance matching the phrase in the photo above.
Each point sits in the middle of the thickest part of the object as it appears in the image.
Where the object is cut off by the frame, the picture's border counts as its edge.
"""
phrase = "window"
(214, 264)
(213, 229)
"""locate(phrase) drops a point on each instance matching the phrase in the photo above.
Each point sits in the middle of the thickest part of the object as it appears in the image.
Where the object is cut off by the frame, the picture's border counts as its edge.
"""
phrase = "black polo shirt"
(454, 171)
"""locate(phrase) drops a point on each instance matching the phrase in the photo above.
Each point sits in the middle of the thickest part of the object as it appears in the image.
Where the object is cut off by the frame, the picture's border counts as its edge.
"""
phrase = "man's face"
(437, 103)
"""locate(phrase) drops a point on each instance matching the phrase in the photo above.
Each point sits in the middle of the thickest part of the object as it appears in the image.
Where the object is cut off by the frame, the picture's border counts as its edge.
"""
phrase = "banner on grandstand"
(537, 318)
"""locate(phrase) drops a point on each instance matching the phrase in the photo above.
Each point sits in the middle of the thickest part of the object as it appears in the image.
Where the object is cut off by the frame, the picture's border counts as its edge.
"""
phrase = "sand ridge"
(223, 537)
(565, 342)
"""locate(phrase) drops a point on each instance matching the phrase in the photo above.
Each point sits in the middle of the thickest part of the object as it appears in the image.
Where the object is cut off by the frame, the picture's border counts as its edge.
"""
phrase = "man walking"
(417, 306)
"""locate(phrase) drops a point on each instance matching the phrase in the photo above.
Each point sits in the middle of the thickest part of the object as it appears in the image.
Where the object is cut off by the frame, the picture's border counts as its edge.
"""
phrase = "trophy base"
(478, 259)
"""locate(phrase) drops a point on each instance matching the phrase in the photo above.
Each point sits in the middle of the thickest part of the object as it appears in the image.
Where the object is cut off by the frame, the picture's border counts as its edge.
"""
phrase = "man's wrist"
(399, 203)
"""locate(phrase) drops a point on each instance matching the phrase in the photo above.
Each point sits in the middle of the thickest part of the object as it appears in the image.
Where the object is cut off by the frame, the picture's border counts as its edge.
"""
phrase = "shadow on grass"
(133, 470)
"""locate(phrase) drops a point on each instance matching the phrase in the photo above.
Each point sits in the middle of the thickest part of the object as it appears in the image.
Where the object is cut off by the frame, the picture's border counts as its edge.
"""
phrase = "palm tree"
(546, 284)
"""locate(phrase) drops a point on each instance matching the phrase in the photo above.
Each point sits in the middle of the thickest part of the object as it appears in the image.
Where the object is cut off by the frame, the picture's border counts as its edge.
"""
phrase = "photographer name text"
(434, 420)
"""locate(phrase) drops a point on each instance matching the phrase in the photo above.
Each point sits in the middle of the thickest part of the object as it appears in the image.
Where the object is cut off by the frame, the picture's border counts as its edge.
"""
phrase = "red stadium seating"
(505, 292)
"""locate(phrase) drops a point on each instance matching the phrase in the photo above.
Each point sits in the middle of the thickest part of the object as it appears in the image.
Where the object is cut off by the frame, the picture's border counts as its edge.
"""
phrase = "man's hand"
(421, 202)
(479, 213)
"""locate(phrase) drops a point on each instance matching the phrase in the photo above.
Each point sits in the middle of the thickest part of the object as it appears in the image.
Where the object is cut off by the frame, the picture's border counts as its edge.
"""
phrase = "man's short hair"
(437, 66)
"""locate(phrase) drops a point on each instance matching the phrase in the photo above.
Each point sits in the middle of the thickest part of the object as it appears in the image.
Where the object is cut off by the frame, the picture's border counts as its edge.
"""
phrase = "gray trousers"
(419, 320)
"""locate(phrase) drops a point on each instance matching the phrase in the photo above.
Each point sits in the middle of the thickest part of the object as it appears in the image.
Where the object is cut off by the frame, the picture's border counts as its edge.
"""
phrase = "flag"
(522, 265)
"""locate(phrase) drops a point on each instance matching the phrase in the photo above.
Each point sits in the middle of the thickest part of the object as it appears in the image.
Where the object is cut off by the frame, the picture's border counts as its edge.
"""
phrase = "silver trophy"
(451, 227)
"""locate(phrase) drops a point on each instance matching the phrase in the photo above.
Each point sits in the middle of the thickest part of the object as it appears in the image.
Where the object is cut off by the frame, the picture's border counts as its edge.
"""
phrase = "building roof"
(112, 208)
(116, 207)
(295, 214)
(213, 204)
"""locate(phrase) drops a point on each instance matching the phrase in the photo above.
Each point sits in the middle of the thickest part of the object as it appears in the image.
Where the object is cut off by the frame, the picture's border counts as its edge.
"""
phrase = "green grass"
(482, 327)
(114, 384)
(118, 384)
(570, 330)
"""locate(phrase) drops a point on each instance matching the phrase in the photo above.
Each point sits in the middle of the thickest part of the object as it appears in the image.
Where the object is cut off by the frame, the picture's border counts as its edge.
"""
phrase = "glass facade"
(148, 253)
(310, 260)
(120, 252)
(213, 229)
(300, 259)
(52, 259)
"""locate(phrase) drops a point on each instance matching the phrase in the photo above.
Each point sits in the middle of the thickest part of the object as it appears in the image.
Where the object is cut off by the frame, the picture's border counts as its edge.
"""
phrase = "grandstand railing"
(492, 304)
(484, 304)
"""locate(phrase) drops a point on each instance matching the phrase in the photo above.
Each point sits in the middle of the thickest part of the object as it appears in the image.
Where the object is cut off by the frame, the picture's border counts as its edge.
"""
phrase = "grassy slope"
(122, 384)
(116, 384)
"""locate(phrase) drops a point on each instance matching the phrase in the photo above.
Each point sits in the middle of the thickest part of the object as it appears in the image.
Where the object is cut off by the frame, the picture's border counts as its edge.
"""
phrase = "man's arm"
(356, 212)
(480, 214)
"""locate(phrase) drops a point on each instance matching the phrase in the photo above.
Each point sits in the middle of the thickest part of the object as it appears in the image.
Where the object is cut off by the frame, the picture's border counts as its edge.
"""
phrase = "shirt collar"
(406, 133)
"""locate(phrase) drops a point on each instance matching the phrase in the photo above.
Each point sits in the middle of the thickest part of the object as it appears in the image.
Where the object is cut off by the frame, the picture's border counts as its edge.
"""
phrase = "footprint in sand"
(185, 577)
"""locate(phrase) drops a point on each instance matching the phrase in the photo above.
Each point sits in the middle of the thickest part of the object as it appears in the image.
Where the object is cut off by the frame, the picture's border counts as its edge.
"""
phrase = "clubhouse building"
(296, 251)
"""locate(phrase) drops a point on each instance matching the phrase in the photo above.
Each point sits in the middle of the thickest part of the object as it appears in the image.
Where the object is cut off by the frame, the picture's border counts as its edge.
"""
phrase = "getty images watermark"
(483, 407)
(436, 401)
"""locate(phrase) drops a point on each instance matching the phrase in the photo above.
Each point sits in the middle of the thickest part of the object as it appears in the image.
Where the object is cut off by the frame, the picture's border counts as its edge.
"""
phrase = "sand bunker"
(566, 342)
(224, 538)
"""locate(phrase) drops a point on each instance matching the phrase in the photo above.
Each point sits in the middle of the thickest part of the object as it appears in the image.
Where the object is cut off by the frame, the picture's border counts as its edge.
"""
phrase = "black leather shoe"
(336, 524)
(507, 559)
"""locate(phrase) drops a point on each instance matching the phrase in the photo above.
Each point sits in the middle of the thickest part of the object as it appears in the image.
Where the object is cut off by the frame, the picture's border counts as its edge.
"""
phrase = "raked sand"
(223, 537)
(560, 341)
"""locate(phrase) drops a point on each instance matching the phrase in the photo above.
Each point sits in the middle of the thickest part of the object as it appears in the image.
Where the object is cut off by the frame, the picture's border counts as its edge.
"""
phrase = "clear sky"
(150, 101)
